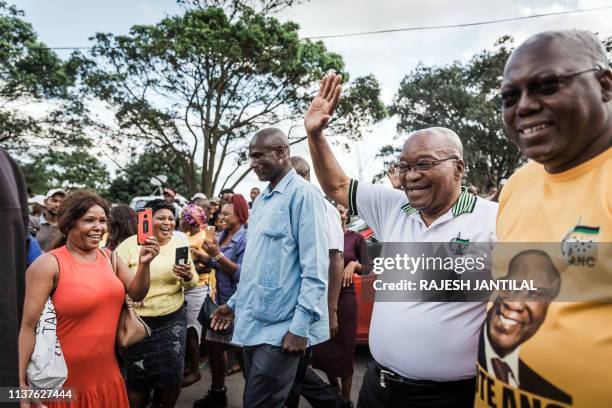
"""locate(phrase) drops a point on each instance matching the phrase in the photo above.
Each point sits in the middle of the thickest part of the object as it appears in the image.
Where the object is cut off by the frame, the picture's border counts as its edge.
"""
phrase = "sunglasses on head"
(539, 87)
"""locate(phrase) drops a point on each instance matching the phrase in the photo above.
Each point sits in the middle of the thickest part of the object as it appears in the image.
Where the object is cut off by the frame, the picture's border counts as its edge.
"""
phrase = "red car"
(363, 284)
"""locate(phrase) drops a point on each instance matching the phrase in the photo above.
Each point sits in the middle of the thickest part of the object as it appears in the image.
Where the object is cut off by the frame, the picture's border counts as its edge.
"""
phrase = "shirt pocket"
(277, 242)
(271, 303)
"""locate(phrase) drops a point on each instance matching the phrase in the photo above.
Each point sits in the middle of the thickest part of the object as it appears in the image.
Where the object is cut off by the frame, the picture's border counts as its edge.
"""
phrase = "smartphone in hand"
(182, 255)
(210, 233)
(145, 225)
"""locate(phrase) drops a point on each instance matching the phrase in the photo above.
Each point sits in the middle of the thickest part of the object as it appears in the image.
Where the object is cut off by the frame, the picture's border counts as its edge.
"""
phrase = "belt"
(402, 385)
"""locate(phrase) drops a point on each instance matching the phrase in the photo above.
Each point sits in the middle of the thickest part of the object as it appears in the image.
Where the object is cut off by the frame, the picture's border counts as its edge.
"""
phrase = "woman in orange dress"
(88, 296)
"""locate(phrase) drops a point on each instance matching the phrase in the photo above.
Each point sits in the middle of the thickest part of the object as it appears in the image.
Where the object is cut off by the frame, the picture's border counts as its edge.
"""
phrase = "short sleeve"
(375, 204)
(334, 228)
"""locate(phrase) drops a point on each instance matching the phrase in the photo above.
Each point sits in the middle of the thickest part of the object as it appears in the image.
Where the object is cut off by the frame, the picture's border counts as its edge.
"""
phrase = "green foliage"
(134, 179)
(464, 98)
(30, 73)
(359, 109)
(200, 84)
(234, 7)
(67, 169)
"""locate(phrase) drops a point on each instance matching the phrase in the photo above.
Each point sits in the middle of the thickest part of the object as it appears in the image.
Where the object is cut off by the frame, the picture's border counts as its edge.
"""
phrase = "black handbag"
(204, 317)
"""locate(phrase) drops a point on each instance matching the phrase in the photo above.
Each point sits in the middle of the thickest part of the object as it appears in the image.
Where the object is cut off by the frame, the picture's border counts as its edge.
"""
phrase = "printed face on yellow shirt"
(516, 316)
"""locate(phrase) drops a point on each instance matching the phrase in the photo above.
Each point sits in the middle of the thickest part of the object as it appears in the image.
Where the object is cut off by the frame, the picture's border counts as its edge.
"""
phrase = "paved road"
(235, 383)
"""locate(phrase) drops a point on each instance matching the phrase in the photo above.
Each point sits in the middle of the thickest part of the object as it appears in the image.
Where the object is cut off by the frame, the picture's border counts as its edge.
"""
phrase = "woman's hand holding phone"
(149, 250)
(145, 225)
(183, 271)
(198, 255)
(211, 247)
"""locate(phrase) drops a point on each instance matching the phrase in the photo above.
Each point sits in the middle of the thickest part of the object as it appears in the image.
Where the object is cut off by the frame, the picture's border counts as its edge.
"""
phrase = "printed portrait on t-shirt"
(514, 318)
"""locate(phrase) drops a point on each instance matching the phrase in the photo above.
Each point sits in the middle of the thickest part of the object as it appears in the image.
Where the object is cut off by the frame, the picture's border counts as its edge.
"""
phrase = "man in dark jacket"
(14, 213)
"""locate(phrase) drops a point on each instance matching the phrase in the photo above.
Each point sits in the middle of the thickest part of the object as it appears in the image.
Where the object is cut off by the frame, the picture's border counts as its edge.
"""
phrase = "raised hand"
(323, 105)
(393, 175)
(149, 250)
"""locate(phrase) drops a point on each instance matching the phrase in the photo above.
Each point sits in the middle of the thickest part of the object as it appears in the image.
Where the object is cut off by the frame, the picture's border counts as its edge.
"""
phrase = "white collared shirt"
(334, 228)
(424, 340)
(511, 359)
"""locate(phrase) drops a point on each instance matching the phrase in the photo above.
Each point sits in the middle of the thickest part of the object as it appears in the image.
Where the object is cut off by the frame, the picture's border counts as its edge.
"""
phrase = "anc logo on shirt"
(579, 247)
(459, 245)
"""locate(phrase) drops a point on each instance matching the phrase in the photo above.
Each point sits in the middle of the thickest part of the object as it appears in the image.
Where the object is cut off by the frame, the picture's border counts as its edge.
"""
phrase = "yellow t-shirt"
(566, 362)
(166, 289)
(196, 240)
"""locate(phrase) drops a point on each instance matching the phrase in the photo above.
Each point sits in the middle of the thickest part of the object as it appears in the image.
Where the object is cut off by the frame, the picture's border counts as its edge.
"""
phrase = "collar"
(464, 205)
(282, 185)
(237, 236)
(511, 359)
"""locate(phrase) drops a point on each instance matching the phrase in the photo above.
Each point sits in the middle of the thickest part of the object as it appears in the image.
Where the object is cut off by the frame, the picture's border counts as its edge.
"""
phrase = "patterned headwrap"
(241, 208)
(194, 215)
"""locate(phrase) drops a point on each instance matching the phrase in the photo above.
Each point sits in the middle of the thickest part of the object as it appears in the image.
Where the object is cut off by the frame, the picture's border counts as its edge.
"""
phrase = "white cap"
(37, 199)
(55, 191)
(198, 195)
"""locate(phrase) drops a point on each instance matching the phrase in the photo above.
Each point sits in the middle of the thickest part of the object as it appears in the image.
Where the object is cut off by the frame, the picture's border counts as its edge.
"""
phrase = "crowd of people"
(279, 269)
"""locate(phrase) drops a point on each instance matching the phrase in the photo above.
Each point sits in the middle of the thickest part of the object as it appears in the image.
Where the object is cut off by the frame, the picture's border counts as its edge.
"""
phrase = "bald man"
(424, 352)
(281, 302)
(556, 97)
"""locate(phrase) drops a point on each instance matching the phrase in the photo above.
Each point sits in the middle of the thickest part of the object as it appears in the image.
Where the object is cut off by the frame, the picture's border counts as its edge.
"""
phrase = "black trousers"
(269, 376)
(373, 395)
(309, 385)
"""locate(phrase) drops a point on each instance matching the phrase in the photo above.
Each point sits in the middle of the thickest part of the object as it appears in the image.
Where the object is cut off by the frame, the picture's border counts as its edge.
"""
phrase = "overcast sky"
(388, 56)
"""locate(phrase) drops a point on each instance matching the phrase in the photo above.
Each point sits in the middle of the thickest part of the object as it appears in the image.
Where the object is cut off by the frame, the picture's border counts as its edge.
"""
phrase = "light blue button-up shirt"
(283, 281)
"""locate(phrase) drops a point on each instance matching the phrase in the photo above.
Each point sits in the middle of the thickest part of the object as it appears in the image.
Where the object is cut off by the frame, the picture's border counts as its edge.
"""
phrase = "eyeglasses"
(420, 166)
(540, 87)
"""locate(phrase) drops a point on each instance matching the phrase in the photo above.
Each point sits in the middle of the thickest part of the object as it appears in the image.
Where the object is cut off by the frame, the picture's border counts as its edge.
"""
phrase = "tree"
(134, 180)
(31, 76)
(234, 7)
(463, 97)
(67, 169)
(198, 85)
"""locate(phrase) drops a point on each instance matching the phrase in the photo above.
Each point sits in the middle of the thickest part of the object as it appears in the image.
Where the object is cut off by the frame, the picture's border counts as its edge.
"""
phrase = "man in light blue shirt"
(281, 302)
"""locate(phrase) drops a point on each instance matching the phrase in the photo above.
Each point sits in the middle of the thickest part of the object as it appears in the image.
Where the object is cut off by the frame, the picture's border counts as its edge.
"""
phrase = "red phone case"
(145, 225)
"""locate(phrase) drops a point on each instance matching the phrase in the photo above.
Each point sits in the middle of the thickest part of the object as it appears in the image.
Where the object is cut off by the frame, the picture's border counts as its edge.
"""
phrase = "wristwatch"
(217, 257)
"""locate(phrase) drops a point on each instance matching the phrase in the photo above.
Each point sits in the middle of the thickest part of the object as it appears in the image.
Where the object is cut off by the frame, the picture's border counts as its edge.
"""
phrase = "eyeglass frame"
(431, 163)
(560, 79)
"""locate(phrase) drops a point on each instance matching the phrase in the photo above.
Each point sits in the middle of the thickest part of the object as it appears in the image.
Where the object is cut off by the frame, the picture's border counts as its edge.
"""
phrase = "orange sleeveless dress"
(87, 300)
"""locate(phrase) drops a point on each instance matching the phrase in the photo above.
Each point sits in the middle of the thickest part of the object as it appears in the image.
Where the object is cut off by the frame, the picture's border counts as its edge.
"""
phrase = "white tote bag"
(47, 368)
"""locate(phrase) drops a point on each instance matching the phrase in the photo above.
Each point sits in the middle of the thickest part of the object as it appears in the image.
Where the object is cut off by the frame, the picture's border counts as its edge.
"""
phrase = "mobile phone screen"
(181, 255)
